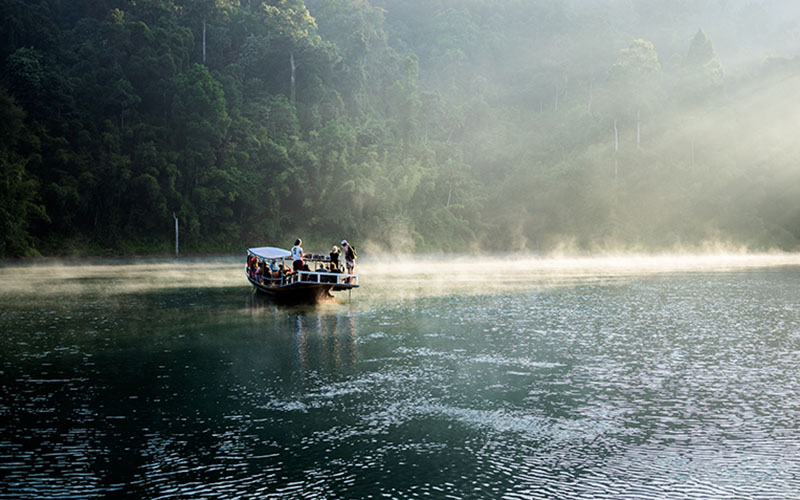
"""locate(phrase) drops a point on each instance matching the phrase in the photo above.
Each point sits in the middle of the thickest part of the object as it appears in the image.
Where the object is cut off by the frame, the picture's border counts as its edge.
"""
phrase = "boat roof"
(270, 252)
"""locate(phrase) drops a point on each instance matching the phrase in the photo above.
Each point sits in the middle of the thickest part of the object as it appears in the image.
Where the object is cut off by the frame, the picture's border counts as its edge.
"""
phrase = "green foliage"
(416, 125)
(701, 73)
(18, 189)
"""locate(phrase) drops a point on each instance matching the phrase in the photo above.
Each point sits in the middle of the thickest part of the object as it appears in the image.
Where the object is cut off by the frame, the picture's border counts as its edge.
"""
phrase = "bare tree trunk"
(616, 149)
(293, 68)
(204, 42)
(556, 106)
(638, 130)
(449, 193)
(176, 234)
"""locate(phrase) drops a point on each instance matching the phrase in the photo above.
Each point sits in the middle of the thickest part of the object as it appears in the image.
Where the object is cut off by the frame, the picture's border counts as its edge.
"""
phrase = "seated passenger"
(260, 272)
(251, 271)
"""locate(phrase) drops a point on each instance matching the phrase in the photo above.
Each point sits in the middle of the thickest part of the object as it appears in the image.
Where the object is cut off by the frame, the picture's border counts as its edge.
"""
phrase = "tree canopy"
(411, 125)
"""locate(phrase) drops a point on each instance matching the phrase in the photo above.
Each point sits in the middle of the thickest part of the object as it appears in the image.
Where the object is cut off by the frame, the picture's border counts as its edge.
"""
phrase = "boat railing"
(307, 277)
(322, 277)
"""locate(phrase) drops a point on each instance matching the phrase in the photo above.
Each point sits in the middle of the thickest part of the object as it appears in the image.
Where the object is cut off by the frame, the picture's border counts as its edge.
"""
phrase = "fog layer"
(382, 278)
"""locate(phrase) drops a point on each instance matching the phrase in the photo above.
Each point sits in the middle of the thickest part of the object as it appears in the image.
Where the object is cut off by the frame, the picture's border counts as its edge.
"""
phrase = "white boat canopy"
(271, 253)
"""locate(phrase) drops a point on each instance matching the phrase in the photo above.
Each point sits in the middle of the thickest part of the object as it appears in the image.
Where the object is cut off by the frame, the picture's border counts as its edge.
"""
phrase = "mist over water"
(463, 376)
(396, 275)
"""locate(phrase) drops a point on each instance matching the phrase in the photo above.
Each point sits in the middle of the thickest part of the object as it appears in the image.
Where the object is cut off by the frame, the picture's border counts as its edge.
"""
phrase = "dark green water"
(144, 381)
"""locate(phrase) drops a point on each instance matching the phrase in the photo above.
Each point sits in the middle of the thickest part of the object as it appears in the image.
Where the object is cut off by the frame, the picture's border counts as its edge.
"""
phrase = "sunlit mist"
(381, 277)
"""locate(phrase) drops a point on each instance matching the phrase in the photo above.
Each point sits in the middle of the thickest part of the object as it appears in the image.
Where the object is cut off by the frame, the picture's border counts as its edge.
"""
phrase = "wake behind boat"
(269, 270)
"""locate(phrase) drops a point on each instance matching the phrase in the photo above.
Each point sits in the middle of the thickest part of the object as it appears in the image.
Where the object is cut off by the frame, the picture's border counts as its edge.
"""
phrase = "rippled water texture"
(616, 378)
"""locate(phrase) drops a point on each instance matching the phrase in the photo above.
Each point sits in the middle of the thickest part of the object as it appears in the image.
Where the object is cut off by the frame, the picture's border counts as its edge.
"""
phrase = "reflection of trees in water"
(323, 336)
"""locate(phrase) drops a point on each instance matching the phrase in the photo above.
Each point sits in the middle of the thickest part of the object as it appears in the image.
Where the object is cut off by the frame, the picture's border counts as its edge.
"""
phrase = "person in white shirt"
(297, 255)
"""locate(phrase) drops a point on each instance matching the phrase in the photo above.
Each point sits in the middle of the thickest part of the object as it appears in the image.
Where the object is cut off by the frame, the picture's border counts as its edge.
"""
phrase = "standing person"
(297, 255)
(350, 256)
(335, 254)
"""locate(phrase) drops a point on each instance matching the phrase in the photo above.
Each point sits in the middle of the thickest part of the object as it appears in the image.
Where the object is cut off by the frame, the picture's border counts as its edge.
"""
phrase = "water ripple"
(632, 386)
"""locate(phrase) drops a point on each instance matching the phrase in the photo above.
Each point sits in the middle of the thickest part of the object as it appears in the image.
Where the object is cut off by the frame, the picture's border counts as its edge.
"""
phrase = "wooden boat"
(269, 270)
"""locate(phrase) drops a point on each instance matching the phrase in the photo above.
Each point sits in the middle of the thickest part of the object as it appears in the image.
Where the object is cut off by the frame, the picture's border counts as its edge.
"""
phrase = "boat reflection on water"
(323, 336)
(325, 341)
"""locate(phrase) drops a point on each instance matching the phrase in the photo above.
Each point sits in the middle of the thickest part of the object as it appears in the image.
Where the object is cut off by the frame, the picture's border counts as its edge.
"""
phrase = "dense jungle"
(401, 125)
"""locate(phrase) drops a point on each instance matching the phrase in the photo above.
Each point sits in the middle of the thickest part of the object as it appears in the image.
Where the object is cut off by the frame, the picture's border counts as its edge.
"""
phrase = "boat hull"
(297, 292)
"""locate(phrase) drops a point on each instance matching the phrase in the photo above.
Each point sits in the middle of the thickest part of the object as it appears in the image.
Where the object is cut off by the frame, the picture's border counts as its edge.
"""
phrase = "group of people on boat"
(262, 271)
(273, 273)
(347, 250)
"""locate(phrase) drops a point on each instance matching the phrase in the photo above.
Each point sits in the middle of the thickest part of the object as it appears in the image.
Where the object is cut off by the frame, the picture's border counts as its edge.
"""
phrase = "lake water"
(615, 378)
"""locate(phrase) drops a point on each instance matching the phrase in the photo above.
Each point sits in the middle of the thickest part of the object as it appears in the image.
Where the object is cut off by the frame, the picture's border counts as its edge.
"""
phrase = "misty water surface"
(670, 377)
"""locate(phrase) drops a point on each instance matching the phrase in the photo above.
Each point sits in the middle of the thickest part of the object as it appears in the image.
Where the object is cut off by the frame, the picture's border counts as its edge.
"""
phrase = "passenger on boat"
(262, 272)
(269, 273)
(297, 255)
(301, 273)
(253, 268)
(330, 270)
(335, 254)
(349, 256)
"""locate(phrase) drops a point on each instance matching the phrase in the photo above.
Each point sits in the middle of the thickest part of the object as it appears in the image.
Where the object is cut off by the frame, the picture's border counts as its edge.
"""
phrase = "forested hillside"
(404, 125)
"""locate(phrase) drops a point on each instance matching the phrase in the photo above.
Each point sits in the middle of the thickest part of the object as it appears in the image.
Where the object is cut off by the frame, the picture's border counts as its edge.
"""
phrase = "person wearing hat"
(349, 256)
(297, 255)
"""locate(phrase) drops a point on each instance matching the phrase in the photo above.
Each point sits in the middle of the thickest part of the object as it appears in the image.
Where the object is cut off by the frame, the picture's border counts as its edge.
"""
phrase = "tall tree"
(19, 199)
(292, 30)
(636, 81)
(701, 70)
(200, 122)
